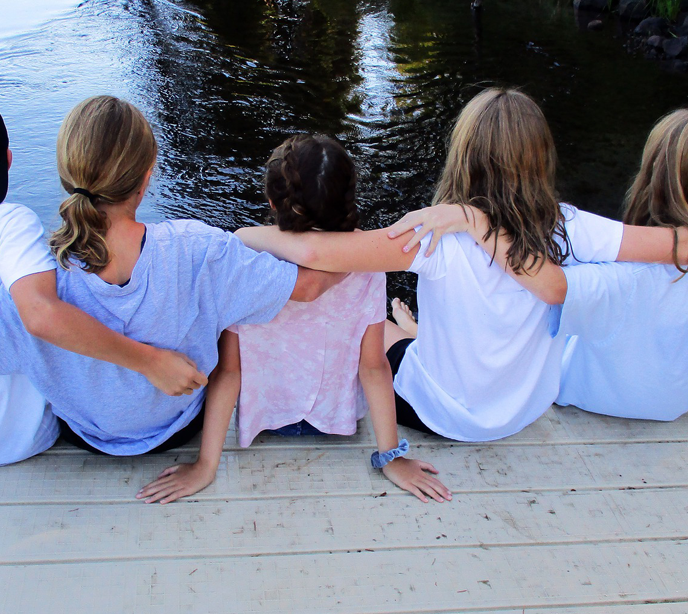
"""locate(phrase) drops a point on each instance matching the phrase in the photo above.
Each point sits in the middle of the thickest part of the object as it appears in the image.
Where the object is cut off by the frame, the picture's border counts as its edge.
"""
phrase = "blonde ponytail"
(105, 148)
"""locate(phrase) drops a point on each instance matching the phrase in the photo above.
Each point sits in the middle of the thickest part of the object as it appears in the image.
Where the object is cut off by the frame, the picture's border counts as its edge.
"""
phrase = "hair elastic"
(379, 459)
(86, 193)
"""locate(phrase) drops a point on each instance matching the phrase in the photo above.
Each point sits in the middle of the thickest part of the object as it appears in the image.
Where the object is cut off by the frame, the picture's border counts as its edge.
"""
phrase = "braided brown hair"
(311, 183)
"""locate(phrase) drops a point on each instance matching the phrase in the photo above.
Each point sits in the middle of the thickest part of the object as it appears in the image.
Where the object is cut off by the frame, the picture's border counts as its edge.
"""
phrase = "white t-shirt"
(484, 365)
(27, 426)
(629, 357)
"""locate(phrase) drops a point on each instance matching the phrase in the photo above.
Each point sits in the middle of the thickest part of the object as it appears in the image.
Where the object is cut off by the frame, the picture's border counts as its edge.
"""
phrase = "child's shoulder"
(13, 213)
(23, 250)
(191, 236)
(185, 229)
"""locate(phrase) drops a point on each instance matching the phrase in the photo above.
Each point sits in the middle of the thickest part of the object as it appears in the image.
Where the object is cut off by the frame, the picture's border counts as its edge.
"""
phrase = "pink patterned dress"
(304, 364)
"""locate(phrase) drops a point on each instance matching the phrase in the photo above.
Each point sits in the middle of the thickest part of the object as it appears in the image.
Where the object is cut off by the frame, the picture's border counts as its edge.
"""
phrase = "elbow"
(38, 320)
(555, 295)
(375, 369)
(308, 258)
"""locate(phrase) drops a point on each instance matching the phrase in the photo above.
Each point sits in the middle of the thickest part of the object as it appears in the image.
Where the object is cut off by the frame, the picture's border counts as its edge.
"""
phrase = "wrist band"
(379, 459)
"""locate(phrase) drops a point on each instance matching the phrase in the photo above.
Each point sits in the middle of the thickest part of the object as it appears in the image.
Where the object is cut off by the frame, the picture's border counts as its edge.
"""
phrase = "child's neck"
(123, 238)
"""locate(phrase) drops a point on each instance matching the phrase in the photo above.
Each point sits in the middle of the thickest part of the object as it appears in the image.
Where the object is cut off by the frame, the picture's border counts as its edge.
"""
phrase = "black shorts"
(406, 415)
(178, 439)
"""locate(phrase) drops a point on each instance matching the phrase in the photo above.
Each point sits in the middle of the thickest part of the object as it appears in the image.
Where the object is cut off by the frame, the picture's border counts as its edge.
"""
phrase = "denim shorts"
(297, 429)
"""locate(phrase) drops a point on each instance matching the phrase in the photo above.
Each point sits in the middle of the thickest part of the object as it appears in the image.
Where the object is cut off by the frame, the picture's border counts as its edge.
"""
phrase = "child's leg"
(394, 333)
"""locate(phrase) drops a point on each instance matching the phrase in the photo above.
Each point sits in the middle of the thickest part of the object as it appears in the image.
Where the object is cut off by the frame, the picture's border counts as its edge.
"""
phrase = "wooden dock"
(577, 514)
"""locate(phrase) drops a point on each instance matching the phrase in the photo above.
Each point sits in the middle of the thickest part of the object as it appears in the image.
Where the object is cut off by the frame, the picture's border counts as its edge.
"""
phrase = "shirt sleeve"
(378, 296)
(250, 287)
(596, 301)
(22, 248)
(434, 266)
(593, 238)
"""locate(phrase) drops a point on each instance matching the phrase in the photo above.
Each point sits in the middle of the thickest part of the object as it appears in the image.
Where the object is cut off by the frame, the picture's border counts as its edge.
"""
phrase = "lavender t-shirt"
(190, 283)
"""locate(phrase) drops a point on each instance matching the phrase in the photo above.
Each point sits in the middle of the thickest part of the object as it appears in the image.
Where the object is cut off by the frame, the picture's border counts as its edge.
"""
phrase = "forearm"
(47, 317)
(72, 329)
(223, 391)
(379, 391)
(653, 244)
(337, 252)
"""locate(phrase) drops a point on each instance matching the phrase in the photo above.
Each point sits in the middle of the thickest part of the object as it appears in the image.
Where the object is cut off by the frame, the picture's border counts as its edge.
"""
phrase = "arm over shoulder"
(593, 238)
(249, 287)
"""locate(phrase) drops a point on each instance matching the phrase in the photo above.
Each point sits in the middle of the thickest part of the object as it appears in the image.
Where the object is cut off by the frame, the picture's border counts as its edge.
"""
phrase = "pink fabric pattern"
(304, 364)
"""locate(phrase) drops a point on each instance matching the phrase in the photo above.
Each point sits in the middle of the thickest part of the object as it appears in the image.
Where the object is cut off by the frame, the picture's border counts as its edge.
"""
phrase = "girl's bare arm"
(223, 391)
(376, 378)
(653, 244)
(338, 252)
(47, 317)
(547, 282)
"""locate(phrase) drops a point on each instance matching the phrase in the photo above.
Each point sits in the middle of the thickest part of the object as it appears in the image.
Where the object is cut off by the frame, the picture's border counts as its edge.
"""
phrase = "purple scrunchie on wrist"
(379, 459)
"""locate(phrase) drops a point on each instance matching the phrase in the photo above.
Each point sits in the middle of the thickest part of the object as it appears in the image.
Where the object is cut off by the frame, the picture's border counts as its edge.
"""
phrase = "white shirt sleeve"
(593, 238)
(22, 248)
(596, 301)
(435, 266)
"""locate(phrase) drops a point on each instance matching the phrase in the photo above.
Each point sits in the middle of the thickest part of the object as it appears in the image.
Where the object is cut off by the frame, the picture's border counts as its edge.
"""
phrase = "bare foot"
(403, 317)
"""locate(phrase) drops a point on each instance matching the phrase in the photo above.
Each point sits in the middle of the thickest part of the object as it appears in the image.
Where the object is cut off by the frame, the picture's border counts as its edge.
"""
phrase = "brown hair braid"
(311, 183)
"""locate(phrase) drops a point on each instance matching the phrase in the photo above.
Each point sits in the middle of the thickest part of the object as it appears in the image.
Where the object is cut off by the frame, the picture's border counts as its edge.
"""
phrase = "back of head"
(502, 160)
(659, 194)
(105, 148)
(311, 183)
(4, 162)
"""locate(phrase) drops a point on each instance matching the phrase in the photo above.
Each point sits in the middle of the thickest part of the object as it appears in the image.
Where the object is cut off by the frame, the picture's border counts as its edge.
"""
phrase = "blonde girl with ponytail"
(174, 285)
(27, 272)
(482, 364)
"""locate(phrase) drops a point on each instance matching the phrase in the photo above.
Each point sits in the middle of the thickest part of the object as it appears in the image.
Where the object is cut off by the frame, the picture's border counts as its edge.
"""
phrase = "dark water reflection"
(224, 82)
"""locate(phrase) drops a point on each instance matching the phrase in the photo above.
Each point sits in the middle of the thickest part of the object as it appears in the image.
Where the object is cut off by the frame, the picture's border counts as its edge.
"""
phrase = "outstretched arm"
(547, 282)
(368, 251)
(223, 390)
(376, 378)
(653, 244)
(47, 317)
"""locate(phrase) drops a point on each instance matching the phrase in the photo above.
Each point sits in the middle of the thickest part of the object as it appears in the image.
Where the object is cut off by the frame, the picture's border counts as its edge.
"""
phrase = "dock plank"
(275, 472)
(455, 580)
(62, 533)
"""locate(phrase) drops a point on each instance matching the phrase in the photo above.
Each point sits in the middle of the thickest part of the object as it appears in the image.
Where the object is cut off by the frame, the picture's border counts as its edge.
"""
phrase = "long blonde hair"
(659, 194)
(502, 160)
(105, 148)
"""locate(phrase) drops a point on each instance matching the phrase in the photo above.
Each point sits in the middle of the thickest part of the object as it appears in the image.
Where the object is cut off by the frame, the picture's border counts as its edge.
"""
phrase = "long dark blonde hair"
(502, 160)
(105, 148)
(659, 193)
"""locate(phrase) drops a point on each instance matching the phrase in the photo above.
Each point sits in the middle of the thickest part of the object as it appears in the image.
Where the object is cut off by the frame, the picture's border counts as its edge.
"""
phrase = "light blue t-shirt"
(190, 283)
(628, 356)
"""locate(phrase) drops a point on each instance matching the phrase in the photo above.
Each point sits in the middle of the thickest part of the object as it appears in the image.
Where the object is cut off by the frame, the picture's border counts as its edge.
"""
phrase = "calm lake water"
(224, 82)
